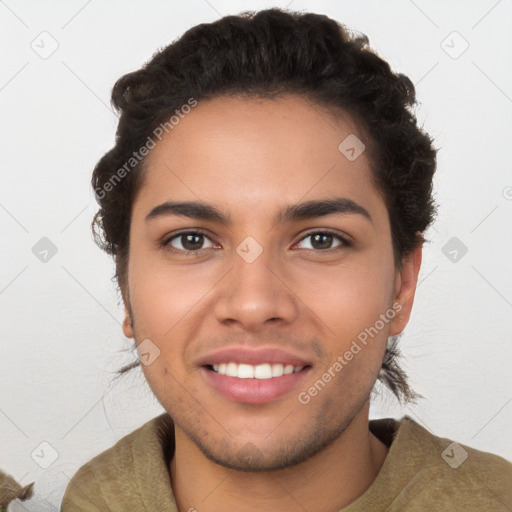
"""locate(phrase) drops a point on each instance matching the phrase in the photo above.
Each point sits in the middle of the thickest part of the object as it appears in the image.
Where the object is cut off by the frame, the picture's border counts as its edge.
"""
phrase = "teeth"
(261, 371)
(288, 369)
(231, 369)
(245, 371)
(277, 370)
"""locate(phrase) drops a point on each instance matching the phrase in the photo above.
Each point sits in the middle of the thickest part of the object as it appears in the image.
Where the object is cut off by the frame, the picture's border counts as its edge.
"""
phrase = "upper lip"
(252, 356)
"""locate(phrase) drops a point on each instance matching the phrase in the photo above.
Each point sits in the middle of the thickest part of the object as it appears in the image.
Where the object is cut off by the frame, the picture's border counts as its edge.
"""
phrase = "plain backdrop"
(60, 314)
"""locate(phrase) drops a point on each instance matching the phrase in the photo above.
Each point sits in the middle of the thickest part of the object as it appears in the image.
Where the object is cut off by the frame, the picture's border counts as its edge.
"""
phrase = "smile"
(260, 371)
(254, 384)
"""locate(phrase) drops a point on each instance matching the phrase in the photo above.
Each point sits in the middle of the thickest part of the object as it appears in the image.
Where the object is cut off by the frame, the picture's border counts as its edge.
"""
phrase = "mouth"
(261, 371)
(254, 384)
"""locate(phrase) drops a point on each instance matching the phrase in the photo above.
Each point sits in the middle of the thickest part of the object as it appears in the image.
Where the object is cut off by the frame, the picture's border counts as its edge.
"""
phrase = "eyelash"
(344, 242)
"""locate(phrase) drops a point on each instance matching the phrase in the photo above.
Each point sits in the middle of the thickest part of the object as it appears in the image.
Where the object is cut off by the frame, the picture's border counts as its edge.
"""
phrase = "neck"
(326, 482)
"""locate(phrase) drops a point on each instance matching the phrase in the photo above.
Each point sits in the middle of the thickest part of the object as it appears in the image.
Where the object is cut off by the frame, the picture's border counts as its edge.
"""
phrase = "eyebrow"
(302, 211)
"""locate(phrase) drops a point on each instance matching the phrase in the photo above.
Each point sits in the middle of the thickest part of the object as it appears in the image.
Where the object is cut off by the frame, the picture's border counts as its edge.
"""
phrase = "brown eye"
(323, 240)
(189, 241)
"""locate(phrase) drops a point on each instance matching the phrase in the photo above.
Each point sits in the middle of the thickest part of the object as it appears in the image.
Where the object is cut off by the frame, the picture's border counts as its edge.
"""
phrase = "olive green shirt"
(421, 472)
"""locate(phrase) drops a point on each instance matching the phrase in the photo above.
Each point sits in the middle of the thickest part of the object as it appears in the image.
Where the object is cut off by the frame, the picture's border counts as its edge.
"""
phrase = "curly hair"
(265, 54)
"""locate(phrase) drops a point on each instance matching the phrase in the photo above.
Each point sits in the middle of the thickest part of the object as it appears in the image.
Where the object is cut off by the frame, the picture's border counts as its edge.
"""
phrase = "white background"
(60, 320)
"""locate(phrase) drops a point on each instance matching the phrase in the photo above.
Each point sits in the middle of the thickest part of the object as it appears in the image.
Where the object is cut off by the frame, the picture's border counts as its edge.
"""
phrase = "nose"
(256, 290)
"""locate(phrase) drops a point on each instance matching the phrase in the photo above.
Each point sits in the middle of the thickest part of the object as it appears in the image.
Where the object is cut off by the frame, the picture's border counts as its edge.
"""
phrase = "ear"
(127, 324)
(405, 288)
(128, 316)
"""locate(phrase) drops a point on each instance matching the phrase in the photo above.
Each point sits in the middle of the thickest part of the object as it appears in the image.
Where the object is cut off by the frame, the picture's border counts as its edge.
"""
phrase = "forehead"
(249, 152)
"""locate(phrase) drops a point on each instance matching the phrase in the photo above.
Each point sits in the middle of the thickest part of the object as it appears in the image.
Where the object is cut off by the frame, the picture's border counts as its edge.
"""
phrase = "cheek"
(162, 295)
(350, 299)
(351, 302)
(166, 302)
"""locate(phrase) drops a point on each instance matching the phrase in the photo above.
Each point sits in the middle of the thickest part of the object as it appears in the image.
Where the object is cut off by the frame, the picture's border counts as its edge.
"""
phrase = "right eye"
(187, 242)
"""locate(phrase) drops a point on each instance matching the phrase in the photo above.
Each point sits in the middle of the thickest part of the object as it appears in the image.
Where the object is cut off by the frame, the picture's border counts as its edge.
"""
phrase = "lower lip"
(254, 391)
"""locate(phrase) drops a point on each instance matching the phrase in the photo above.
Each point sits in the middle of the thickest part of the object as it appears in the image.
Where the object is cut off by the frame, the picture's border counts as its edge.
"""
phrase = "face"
(247, 303)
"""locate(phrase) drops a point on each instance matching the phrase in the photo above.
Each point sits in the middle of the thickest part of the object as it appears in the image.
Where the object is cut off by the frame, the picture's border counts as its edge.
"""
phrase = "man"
(265, 203)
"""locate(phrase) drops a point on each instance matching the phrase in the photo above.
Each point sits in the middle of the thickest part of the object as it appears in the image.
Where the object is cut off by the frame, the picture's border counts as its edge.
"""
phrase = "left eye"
(322, 240)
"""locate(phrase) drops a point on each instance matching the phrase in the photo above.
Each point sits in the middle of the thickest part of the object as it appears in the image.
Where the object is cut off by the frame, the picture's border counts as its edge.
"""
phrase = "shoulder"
(114, 472)
(452, 472)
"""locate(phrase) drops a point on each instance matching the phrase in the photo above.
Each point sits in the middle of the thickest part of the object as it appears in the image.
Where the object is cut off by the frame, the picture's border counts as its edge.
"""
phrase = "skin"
(251, 158)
